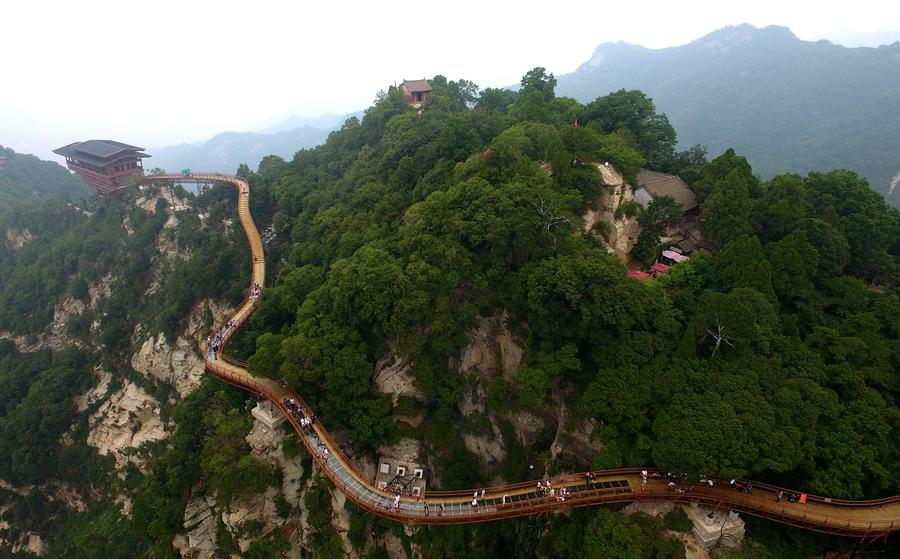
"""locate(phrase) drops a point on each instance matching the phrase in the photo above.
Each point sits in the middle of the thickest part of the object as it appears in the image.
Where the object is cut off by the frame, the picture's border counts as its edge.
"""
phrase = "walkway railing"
(865, 519)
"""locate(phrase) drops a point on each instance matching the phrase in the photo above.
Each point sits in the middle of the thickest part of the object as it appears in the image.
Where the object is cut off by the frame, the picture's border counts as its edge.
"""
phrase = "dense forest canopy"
(407, 228)
(785, 104)
(24, 176)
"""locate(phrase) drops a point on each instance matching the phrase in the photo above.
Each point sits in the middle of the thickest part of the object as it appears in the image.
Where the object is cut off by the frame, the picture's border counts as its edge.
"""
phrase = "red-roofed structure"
(658, 268)
(103, 164)
(638, 275)
(416, 92)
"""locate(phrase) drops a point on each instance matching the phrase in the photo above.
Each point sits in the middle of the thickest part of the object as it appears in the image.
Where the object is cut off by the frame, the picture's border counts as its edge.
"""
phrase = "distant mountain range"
(861, 39)
(787, 105)
(24, 176)
(226, 151)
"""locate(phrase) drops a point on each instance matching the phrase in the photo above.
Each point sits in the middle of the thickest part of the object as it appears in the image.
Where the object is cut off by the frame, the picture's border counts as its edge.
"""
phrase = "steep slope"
(24, 176)
(784, 103)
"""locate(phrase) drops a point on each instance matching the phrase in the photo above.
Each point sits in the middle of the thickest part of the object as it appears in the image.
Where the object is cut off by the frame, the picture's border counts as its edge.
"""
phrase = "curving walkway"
(864, 519)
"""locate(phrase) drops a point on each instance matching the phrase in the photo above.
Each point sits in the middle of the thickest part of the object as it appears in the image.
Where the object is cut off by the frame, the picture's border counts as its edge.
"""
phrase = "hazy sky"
(161, 72)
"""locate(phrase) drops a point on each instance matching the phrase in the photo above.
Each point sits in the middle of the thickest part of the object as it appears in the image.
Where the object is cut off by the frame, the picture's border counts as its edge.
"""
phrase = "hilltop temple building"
(104, 164)
(416, 92)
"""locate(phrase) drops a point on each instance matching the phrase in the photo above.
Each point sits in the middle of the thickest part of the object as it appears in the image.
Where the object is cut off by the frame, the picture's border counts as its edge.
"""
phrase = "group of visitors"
(743, 487)
(215, 343)
(547, 490)
(791, 496)
(255, 291)
(300, 413)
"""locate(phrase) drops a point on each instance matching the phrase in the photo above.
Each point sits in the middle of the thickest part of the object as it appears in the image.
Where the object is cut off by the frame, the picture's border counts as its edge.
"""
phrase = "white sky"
(161, 72)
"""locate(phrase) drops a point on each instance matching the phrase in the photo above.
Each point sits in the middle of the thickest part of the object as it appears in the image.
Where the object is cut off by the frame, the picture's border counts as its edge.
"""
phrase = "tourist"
(426, 509)
(482, 492)
(475, 504)
(442, 508)
(503, 500)
(779, 495)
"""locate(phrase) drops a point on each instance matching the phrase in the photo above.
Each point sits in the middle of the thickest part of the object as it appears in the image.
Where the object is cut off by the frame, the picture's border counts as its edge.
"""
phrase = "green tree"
(662, 211)
(538, 80)
(635, 112)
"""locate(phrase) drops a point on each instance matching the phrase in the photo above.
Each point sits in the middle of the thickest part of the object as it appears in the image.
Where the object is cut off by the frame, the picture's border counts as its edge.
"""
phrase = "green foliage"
(635, 112)
(24, 177)
(725, 188)
(231, 470)
(660, 212)
(533, 385)
(35, 409)
(678, 521)
(808, 106)
(537, 80)
(324, 541)
(273, 545)
(647, 247)
(604, 533)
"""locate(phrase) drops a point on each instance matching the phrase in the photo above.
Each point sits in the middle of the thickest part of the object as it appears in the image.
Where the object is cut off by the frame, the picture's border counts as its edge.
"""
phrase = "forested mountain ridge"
(433, 287)
(787, 105)
(24, 176)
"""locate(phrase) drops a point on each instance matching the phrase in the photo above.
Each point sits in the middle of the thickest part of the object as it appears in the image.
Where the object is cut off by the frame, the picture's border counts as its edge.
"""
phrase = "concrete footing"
(268, 414)
(715, 526)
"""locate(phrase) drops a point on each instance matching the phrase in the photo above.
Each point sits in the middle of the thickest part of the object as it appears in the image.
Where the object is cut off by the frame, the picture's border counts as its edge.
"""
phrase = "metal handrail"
(528, 502)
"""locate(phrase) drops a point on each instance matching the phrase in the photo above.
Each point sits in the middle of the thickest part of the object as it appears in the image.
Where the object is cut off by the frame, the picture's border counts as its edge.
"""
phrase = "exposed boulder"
(128, 419)
(393, 376)
(492, 349)
(96, 393)
(619, 235)
(16, 238)
(55, 337)
(178, 365)
(199, 540)
(259, 508)
(489, 447)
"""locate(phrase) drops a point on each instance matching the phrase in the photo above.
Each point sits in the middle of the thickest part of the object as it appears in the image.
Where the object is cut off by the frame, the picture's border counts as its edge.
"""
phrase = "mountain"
(784, 103)
(226, 151)
(861, 39)
(328, 121)
(23, 176)
(435, 297)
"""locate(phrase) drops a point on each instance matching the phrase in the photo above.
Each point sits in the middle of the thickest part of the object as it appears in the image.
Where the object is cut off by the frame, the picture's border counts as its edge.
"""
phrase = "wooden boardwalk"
(863, 519)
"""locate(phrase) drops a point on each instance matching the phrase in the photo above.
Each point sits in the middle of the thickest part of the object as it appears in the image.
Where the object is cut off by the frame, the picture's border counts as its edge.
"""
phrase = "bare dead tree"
(719, 336)
(550, 214)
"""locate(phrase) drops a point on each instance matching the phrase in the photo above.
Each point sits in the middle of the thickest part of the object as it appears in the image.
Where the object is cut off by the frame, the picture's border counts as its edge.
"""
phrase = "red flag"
(575, 123)
(485, 154)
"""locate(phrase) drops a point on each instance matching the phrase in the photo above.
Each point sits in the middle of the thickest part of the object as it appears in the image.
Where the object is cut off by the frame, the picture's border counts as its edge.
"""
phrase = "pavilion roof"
(99, 151)
(662, 184)
(417, 85)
